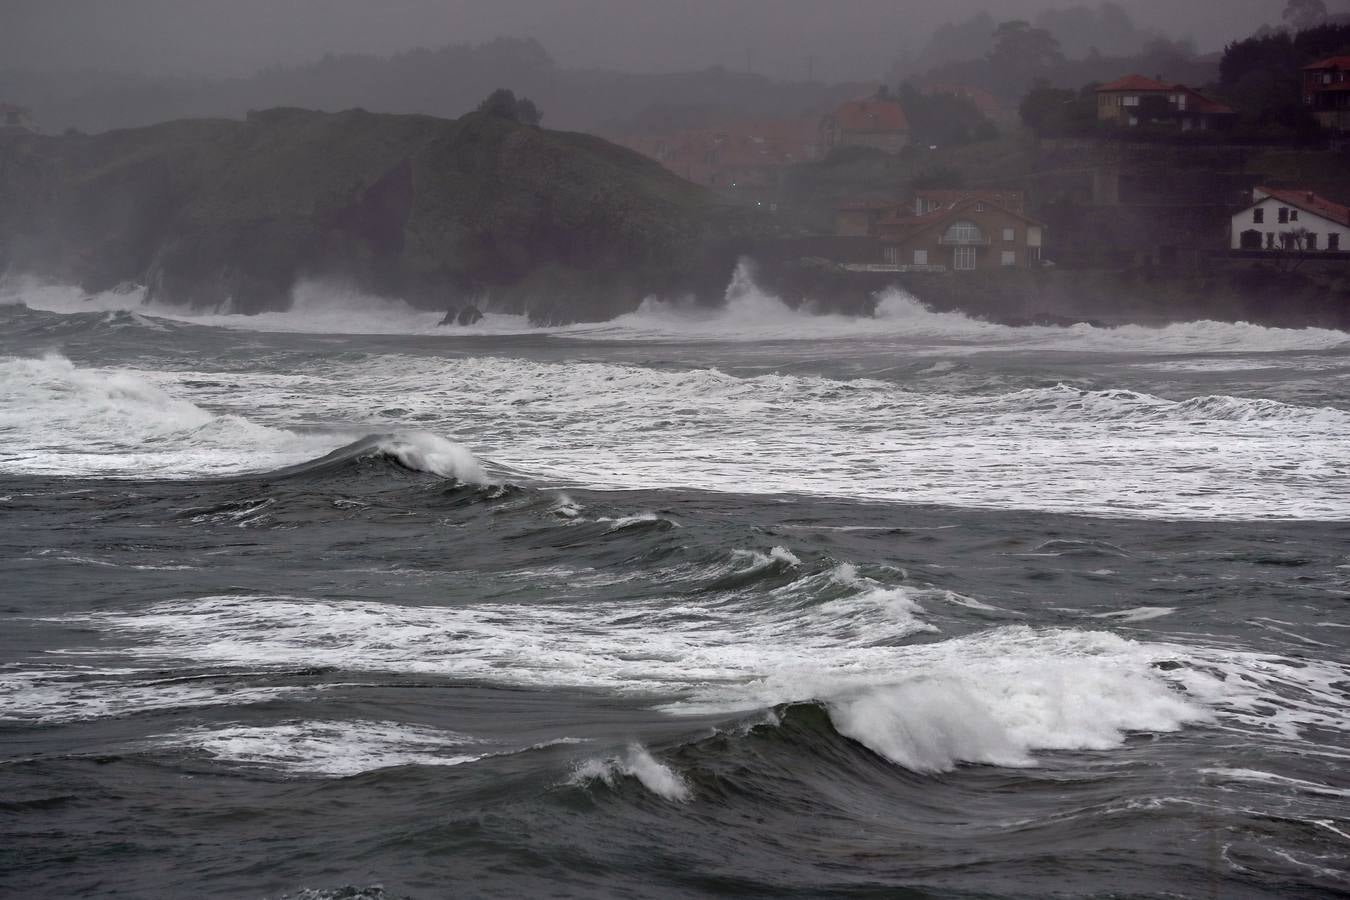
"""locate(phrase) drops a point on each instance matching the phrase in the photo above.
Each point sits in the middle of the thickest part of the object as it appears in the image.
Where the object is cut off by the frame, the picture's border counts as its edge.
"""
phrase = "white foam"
(1283, 782)
(317, 307)
(995, 696)
(435, 455)
(57, 418)
(1137, 614)
(80, 693)
(637, 762)
(327, 749)
(749, 313)
(1117, 453)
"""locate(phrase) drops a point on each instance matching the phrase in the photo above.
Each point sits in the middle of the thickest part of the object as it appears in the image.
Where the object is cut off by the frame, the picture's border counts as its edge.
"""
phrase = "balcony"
(964, 240)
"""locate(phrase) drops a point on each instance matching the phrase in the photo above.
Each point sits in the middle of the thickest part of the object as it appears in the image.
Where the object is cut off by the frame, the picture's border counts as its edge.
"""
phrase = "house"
(1326, 92)
(973, 231)
(927, 201)
(878, 122)
(859, 217)
(747, 154)
(981, 99)
(1291, 219)
(1135, 100)
(15, 119)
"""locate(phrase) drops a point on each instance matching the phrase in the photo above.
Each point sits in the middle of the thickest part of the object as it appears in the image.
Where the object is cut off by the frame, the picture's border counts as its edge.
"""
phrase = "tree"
(1051, 112)
(1022, 53)
(944, 119)
(504, 104)
(1292, 249)
(1301, 15)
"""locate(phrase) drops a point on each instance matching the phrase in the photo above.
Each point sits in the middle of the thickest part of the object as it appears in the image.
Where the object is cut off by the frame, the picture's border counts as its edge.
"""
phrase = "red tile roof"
(871, 116)
(1013, 201)
(1334, 62)
(1198, 102)
(868, 203)
(912, 224)
(1310, 202)
(984, 101)
(1134, 83)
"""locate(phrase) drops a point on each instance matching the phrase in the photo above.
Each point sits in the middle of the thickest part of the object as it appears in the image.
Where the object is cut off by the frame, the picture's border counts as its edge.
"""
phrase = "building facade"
(1134, 100)
(1326, 92)
(15, 119)
(970, 234)
(879, 123)
(1281, 221)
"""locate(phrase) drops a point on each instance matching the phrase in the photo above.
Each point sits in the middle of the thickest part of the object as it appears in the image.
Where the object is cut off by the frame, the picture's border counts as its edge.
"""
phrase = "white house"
(1279, 219)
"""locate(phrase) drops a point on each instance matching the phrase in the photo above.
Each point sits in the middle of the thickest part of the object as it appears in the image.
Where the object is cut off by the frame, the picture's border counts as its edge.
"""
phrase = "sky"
(835, 39)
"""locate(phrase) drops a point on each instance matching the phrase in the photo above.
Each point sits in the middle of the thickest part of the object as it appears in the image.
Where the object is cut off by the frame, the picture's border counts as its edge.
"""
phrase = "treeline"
(1262, 76)
(1063, 48)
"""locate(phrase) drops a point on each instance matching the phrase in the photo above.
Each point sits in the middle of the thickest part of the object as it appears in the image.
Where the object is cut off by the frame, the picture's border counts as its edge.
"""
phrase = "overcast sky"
(849, 39)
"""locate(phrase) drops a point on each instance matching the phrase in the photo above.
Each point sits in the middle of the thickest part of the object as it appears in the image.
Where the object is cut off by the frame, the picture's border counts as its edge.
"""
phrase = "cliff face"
(436, 211)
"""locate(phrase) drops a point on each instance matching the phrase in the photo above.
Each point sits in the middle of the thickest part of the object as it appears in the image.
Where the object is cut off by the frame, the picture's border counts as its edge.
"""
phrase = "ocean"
(336, 603)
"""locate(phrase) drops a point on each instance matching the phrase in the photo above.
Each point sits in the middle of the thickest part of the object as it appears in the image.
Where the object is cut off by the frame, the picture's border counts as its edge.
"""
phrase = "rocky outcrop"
(477, 210)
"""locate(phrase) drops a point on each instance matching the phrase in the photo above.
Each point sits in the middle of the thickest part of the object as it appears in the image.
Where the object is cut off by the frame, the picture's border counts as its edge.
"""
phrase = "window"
(1284, 214)
(1293, 215)
(979, 207)
(1258, 216)
(964, 260)
(1009, 234)
(962, 233)
(1009, 258)
(920, 257)
(1312, 241)
(1131, 101)
(890, 255)
(1333, 242)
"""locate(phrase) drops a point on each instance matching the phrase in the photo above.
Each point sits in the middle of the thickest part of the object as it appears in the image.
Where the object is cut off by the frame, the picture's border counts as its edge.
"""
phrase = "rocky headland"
(480, 211)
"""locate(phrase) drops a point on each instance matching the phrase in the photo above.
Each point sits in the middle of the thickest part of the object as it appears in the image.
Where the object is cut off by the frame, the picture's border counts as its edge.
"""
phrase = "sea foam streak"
(327, 749)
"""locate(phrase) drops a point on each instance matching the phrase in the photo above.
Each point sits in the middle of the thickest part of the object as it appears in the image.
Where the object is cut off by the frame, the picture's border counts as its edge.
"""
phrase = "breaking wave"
(748, 313)
(637, 763)
(58, 418)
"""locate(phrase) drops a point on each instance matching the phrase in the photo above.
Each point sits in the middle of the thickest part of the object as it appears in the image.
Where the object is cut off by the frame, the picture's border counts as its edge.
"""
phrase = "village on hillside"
(1150, 162)
(1140, 170)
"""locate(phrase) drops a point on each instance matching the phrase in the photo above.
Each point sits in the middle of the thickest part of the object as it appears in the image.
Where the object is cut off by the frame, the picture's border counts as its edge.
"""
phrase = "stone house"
(878, 122)
(971, 232)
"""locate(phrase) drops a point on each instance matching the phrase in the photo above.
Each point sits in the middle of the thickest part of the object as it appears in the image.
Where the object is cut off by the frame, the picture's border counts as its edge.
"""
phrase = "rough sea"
(334, 603)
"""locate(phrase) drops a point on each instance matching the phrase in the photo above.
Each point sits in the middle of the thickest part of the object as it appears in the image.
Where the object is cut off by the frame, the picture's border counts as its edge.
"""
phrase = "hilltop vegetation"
(208, 212)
